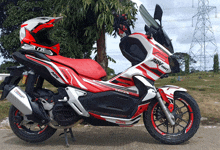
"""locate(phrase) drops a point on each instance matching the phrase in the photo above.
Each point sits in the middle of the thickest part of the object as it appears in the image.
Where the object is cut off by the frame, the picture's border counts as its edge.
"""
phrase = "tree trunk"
(101, 50)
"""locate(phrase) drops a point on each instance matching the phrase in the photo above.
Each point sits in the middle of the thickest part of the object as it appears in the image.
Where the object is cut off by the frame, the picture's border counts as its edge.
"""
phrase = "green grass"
(4, 109)
(206, 82)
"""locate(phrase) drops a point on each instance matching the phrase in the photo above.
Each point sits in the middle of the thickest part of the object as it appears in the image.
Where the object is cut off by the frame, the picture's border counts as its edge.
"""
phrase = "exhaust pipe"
(22, 101)
(19, 99)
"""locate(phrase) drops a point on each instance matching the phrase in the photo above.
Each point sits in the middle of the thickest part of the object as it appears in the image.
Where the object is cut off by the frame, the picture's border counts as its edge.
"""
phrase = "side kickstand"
(66, 139)
(65, 135)
(71, 133)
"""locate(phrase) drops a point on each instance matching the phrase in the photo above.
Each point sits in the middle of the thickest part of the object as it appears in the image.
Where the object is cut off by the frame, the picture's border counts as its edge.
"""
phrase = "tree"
(5, 65)
(181, 57)
(102, 21)
(216, 64)
(187, 64)
(5, 30)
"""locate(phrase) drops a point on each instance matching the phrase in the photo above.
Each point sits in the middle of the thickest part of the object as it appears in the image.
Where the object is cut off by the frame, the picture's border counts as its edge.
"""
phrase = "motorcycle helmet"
(34, 35)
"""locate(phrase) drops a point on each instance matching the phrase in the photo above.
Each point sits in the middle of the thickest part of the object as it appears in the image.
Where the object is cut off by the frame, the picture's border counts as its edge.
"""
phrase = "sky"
(176, 21)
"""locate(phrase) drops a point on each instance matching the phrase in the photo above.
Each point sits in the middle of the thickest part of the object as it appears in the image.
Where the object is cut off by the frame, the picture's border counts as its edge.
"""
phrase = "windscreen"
(160, 35)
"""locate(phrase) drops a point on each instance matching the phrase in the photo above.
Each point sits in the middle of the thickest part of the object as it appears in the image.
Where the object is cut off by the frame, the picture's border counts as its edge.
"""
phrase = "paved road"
(113, 138)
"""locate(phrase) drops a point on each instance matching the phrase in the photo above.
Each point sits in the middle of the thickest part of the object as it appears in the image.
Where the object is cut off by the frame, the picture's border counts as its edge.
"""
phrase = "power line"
(203, 46)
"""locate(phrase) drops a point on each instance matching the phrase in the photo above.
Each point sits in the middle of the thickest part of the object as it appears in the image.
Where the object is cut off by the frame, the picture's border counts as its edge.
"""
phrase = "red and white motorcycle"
(170, 114)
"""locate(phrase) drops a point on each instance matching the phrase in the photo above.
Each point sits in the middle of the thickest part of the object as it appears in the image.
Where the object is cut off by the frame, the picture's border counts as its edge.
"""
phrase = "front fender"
(170, 90)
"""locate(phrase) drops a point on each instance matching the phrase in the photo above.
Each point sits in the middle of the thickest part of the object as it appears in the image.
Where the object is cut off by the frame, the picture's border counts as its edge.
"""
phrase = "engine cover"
(64, 114)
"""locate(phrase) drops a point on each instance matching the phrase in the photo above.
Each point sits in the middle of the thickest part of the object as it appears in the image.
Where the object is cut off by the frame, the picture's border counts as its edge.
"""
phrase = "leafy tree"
(187, 64)
(102, 21)
(216, 64)
(181, 57)
(5, 30)
(110, 71)
(5, 65)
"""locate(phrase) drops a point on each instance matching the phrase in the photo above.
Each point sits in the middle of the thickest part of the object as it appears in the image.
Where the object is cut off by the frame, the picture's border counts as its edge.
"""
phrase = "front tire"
(187, 120)
(30, 132)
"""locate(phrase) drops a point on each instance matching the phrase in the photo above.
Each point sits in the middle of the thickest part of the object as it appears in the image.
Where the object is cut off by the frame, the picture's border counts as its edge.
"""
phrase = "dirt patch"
(211, 121)
(209, 104)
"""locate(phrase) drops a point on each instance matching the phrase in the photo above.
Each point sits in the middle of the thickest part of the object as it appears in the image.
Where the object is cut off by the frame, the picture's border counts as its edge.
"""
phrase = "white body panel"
(169, 90)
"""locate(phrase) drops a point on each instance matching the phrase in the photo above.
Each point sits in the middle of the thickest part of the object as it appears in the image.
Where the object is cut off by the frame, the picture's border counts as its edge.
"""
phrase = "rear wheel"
(187, 120)
(28, 130)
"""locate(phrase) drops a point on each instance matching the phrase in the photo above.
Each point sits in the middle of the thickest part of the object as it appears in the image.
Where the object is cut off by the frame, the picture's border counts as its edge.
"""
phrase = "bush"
(173, 80)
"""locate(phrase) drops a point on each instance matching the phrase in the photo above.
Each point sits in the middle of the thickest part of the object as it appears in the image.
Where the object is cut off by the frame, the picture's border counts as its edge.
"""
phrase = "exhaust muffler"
(22, 101)
(19, 99)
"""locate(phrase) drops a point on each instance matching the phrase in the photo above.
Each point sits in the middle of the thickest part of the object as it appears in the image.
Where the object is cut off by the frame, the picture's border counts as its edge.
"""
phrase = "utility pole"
(203, 46)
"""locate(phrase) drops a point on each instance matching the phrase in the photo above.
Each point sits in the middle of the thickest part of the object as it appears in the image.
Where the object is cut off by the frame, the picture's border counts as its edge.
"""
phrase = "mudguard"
(170, 90)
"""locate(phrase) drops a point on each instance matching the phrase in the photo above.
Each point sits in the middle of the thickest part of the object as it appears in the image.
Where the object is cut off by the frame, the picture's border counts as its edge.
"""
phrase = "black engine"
(64, 114)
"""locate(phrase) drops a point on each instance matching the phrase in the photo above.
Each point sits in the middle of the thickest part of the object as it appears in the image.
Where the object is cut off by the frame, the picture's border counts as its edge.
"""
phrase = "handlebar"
(121, 24)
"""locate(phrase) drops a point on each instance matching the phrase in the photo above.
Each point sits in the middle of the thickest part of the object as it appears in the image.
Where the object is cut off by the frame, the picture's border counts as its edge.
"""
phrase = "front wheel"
(187, 120)
(28, 130)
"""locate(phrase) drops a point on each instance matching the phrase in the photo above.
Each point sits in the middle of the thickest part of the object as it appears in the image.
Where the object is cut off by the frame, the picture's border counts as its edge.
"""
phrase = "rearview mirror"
(158, 13)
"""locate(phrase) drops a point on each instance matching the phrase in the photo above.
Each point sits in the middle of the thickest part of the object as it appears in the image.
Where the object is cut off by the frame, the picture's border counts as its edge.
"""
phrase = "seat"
(84, 67)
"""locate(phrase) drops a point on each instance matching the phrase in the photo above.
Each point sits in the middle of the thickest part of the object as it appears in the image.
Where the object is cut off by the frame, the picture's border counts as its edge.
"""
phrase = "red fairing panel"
(76, 81)
(84, 67)
(68, 76)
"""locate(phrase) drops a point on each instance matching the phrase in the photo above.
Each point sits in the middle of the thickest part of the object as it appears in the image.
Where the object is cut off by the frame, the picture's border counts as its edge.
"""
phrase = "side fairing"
(152, 67)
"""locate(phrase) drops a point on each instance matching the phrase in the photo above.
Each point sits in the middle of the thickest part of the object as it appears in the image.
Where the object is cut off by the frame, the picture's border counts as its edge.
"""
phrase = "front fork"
(167, 111)
(143, 84)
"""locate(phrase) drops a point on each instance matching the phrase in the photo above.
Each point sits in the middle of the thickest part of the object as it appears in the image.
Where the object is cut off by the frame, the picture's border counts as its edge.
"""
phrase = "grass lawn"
(204, 88)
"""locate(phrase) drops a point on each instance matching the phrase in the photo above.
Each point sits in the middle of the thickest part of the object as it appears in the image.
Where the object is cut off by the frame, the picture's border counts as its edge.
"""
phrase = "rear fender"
(170, 90)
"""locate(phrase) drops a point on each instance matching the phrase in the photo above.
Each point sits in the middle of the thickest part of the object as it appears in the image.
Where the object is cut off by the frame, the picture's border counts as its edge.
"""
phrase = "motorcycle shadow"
(94, 136)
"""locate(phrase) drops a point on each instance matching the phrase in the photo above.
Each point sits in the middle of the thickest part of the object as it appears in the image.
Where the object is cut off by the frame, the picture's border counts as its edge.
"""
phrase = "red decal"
(152, 69)
(97, 116)
(163, 95)
(42, 130)
(161, 55)
(28, 37)
(45, 25)
(140, 110)
(144, 73)
(191, 117)
(120, 122)
(23, 25)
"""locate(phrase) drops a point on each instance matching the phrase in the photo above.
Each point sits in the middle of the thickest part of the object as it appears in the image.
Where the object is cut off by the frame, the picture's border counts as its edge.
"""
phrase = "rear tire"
(187, 120)
(32, 132)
